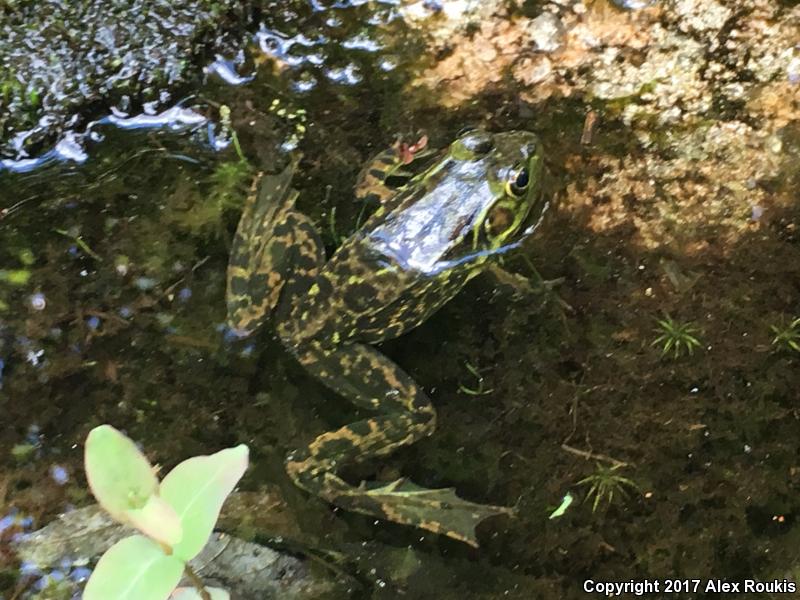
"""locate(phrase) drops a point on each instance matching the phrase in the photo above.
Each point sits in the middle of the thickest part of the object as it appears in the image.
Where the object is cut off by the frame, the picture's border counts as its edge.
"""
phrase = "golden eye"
(518, 183)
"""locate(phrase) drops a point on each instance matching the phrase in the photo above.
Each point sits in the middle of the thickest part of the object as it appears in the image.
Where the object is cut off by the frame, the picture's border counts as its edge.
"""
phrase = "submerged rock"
(58, 57)
(245, 569)
(546, 32)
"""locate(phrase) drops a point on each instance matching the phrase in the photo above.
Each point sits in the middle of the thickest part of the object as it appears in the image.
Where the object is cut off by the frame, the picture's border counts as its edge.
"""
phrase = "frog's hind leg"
(276, 252)
(404, 414)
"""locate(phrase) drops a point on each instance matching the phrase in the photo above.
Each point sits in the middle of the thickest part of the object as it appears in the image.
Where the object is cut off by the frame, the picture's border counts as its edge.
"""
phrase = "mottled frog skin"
(479, 199)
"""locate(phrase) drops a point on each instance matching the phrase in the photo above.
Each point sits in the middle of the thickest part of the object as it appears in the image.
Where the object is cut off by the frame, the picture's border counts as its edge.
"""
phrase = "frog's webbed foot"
(276, 250)
(440, 510)
(373, 181)
(526, 286)
(372, 381)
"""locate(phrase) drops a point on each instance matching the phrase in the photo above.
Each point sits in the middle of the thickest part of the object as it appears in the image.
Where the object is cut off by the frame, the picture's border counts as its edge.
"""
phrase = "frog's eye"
(518, 183)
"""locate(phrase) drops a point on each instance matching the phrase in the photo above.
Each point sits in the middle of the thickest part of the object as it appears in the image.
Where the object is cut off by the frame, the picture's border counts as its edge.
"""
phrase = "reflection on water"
(338, 50)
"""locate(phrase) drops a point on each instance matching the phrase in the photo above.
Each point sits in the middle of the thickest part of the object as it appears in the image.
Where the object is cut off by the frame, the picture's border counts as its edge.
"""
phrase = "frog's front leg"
(528, 286)
(404, 414)
(372, 182)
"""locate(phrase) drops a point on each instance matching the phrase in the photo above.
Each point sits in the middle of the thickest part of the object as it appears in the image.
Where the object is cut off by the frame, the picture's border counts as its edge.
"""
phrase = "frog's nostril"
(529, 149)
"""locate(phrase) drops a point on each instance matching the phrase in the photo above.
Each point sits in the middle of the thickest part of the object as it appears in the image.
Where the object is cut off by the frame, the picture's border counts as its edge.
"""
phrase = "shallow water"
(112, 279)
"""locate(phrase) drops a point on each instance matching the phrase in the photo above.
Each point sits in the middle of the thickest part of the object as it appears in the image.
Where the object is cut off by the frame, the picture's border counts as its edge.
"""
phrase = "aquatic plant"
(200, 207)
(176, 516)
(605, 483)
(480, 388)
(787, 337)
(676, 337)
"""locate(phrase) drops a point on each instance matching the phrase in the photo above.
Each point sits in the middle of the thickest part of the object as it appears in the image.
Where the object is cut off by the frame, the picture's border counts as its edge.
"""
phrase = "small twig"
(606, 546)
(81, 244)
(574, 411)
(576, 404)
(589, 125)
(10, 210)
(108, 316)
(595, 456)
(200, 263)
(196, 266)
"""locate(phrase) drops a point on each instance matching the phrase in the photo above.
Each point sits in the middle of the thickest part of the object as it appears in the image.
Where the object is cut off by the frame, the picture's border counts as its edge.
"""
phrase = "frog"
(474, 201)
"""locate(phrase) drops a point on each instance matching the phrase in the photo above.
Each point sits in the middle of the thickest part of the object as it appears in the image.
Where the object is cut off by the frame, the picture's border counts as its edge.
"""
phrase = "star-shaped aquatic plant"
(605, 484)
(787, 337)
(676, 338)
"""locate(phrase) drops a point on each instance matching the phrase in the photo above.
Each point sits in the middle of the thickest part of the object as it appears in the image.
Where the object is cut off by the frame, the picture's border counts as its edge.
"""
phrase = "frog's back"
(365, 294)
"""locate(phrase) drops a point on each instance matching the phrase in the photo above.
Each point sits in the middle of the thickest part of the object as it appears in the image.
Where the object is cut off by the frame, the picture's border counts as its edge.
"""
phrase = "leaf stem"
(197, 582)
(81, 244)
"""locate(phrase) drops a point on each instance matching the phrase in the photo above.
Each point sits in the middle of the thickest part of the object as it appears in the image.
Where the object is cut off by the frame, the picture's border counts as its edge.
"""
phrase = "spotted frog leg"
(370, 380)
(371, 183)
(274, 245)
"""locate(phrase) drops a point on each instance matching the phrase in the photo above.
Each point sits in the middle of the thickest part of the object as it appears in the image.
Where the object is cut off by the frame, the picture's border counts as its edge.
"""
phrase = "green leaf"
(562, 508)
(119, 475)
(192, 594)
(196, 489)
(125, 485)
(134, 569)
(157, 520)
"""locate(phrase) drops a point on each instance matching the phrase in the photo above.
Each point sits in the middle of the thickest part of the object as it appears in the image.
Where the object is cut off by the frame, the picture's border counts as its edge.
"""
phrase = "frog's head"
(480, 198)
(512, 202)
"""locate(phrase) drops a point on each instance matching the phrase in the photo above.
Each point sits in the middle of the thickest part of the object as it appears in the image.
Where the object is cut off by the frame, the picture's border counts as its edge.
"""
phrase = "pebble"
(37, 301)
(546, 32)
(633, 4)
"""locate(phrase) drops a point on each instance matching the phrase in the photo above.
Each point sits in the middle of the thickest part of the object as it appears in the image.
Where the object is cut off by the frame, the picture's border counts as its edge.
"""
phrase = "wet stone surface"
(60, 60)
